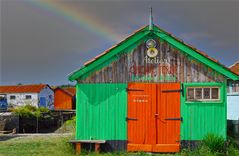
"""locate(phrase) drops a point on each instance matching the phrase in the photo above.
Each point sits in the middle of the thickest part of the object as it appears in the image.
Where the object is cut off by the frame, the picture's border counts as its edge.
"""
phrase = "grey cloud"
(38, 47)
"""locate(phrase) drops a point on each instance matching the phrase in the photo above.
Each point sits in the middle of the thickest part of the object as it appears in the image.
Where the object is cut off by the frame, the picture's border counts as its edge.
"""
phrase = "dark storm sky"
(40, 45)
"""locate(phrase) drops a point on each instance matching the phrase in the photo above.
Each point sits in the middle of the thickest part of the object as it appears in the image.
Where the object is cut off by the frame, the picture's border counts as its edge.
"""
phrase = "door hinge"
(181, 119)
(139, 90)
(175, 90)
(131, 119)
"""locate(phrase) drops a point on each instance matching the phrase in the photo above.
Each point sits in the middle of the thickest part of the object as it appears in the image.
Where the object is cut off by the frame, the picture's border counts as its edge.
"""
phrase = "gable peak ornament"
(151, 51)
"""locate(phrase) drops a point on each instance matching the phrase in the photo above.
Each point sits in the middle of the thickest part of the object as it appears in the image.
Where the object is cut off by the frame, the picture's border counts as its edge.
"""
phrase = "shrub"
(233, 151)
(215, 143)
(29, 111)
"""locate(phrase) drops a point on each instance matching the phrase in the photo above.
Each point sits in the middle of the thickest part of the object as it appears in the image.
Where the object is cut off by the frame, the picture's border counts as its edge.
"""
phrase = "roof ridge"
(235, 63)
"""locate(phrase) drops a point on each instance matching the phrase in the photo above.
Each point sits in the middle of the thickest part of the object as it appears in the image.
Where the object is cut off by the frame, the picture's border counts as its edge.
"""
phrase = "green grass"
(36, 146)
(48, 145)
(53, 145)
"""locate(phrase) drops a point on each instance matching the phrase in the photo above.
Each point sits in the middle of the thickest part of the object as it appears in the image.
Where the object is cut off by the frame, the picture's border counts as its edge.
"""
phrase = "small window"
(215, 93)
(190, 95)
(12, 97)
(203, 93)
(198, 93)
(28, 97)
(206, 93)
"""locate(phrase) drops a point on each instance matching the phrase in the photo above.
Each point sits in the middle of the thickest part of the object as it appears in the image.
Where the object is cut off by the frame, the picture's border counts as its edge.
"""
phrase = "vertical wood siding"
(62, 101)
(101, 112)
(201, 118)
(175, 67)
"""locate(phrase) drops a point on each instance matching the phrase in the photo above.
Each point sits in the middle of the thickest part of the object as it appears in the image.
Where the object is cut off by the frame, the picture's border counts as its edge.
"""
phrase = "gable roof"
(235, 67)
(35, 88)
(70, 91)
(112, 54)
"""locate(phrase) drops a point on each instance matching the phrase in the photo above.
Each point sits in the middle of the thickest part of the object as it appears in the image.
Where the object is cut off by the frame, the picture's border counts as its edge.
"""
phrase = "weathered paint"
(171, 66)
(20, 100)
(126, 63)
(108, 57)
(150, 108)
(48, 94)
(201, 118)
(62, 100)
(101, 112)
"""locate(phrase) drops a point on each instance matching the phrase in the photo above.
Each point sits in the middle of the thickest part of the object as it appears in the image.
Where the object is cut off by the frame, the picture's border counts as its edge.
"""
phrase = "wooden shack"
(64, 98)
(151, 92)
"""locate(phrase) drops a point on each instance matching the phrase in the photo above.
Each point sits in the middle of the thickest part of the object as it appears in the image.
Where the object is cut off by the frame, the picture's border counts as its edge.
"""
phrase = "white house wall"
(48, 94)
(233, 106)
(21, 100)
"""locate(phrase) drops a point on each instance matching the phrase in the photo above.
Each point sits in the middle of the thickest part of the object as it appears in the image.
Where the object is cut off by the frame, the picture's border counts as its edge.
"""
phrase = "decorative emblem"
(152, 51)
(150, 43)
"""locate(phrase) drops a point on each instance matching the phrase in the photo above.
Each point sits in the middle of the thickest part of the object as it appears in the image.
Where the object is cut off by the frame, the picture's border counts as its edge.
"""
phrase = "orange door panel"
(152, 117)
(141, 109)
(168, 117)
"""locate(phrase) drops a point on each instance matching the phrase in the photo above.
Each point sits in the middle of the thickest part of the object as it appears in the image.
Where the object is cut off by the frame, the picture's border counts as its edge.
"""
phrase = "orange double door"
(154, 117)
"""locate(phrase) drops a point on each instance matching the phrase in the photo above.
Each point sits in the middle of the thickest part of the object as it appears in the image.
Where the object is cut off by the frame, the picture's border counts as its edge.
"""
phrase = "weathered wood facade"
(151, 84)
(171, 66)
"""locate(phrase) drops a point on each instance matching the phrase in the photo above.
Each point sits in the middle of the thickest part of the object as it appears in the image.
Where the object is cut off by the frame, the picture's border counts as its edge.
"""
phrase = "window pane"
(28, 96)
(206, 93)
(12, 97)
(215, 93)
(190, 93)
(198, 93)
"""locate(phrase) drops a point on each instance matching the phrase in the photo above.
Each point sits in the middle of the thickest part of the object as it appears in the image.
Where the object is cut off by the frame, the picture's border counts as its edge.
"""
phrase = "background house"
(233, 95)
(64, 98)
(36, 95)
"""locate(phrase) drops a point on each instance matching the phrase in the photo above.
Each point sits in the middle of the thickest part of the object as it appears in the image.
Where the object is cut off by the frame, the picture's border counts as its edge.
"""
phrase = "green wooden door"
(101, 112)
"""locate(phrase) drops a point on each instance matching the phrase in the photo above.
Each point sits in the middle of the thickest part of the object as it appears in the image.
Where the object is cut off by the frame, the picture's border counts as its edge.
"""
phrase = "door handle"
(181, 119)
(131, 119)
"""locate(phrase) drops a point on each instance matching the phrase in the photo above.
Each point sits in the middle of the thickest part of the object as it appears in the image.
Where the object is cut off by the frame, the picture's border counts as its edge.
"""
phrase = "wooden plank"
(78, 148)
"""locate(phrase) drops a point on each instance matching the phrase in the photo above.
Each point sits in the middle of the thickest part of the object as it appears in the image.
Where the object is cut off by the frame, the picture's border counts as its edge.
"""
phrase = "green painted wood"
(201, 118)
(101, 112)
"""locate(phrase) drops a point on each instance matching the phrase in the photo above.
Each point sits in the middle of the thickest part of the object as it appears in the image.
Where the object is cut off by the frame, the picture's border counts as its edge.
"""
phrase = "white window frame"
(203, 100)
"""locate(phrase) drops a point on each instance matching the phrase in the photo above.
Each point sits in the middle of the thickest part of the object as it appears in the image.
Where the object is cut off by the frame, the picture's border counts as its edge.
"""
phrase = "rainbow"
(75, 16)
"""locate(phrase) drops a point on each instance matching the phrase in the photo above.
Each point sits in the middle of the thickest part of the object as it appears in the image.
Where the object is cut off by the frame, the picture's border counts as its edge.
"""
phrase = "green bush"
(215, 143)
(29, 111)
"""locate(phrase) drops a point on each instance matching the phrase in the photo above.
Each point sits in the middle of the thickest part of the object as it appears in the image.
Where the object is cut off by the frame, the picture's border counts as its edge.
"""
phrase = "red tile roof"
(36, 88)
(235, 67)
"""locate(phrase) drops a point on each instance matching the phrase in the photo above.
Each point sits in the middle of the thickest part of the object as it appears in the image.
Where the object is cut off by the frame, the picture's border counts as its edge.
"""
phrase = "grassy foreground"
(44, 146)
(57, 145)
(36, 146)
